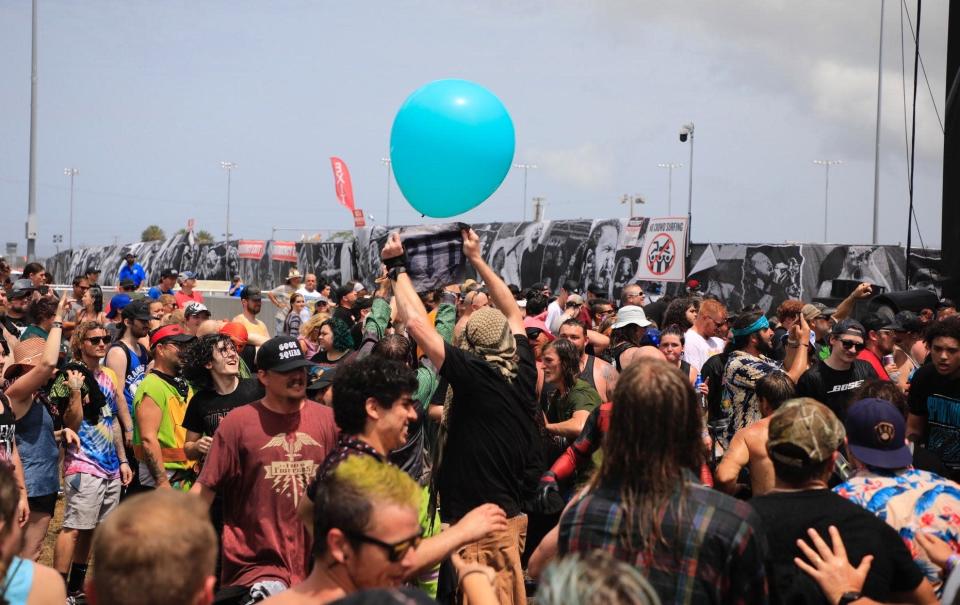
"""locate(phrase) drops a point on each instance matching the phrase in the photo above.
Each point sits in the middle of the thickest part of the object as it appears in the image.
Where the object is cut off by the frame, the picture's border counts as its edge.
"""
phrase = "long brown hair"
(654, 434)
(569, 358)
(9, 498)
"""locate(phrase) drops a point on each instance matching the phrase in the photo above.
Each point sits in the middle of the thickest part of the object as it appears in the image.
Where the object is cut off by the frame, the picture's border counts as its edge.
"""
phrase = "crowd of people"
(481, 442)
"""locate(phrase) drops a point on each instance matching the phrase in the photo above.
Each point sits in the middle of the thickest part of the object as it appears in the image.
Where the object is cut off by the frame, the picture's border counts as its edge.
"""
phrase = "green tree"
(204, 237)
(153, 233)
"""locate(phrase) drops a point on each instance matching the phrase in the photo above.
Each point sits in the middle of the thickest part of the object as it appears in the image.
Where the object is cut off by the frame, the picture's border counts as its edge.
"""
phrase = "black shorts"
(43, 504)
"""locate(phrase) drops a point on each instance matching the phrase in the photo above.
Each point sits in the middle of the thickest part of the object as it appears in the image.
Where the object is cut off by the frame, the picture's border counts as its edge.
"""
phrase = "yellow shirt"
(253, 328)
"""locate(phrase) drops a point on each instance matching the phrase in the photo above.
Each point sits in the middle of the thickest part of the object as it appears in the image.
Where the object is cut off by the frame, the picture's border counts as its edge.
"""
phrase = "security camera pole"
(687, 131)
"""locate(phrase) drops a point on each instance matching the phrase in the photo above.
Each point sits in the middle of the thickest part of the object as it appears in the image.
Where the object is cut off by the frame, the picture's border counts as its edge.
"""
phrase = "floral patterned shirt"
(910, 501)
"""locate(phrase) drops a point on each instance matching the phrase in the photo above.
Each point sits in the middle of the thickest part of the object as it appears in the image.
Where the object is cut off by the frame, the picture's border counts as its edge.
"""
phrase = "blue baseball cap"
(117, 303)
(877, 433)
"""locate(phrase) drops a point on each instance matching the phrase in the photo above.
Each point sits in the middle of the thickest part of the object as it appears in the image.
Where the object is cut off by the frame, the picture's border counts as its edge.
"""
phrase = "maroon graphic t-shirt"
(260, 463)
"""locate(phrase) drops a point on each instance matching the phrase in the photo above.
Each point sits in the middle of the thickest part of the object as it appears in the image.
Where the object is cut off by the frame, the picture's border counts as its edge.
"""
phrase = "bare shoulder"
(756, 434)
(47, 587)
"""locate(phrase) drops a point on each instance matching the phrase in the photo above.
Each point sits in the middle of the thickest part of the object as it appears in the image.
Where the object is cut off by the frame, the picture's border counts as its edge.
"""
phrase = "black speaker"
(891, 303)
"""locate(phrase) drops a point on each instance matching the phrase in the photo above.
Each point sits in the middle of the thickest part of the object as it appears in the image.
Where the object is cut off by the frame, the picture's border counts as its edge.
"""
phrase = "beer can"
(887, 360)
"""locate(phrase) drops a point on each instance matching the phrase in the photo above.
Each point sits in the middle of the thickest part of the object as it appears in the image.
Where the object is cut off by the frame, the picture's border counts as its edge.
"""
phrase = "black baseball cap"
(91, 270)
(849, 326)
(874, 322)
(251, 293)
(127, 283)
(907, 321)
(169, 273)
(22, 288)
(137, 309)
(129, 255)
(281, 354)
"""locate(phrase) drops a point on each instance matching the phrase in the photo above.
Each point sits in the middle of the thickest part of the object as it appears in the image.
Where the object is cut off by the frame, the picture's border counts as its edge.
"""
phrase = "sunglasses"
(852, 344)
(98, 340)
(396, 551)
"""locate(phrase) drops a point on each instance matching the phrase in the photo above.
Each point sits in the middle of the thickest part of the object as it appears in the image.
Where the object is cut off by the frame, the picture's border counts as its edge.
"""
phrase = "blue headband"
(760, 324)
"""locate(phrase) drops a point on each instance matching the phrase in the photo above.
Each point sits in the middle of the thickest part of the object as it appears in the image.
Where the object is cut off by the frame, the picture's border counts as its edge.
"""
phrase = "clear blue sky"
(145, 98)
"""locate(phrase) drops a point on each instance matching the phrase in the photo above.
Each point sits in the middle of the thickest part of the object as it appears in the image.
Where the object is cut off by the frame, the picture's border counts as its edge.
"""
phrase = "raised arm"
(499, 292)
(845, 308)
(410, 306)
(797, 360)
(21, 391)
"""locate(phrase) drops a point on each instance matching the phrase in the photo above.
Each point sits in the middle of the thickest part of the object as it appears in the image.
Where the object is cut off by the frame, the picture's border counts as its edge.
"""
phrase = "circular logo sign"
(661, 254)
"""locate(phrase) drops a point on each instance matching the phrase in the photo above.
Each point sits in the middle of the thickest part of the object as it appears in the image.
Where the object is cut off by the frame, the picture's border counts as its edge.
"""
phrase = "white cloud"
(586, 166)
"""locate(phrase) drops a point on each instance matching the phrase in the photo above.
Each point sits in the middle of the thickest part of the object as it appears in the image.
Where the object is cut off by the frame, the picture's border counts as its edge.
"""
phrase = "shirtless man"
(749, 445)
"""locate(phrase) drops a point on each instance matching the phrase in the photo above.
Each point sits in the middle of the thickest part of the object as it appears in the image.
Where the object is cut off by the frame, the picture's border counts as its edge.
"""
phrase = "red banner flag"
(284, 251)
(341, 182)
(251, 248)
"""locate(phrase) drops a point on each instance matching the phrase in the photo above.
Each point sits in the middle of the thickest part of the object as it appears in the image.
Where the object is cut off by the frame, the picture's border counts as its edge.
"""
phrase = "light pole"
(228, 166)
(876, 150)
(387, 163)
(686, 131)
(670, 166)
(539, 203)
(32, 187)
(826, 192)
(632, 199)
(525, 168)
(71, 172)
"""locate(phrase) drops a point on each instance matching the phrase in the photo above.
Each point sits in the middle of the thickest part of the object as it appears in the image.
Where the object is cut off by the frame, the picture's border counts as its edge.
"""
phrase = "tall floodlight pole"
(686, 132)
(228, 166)
(387, 163)
(32, 193)
(670, 166)
(632, 199)
(876, 152)
(71, 172)
(525, 168)
(826, 191)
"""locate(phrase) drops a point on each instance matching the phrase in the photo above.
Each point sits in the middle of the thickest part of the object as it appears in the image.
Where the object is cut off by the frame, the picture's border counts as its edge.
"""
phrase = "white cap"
(631, 314)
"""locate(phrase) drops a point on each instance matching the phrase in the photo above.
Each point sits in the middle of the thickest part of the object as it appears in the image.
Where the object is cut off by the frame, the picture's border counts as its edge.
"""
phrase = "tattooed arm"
(149, 416)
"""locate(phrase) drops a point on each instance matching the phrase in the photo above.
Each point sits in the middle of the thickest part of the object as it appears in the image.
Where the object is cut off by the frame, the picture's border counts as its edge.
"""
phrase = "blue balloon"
(451, 146)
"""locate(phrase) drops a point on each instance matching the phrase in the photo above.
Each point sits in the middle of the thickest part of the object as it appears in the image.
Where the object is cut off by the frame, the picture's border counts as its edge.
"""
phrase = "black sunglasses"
(98, 340)
(852, 344)
(395, 551)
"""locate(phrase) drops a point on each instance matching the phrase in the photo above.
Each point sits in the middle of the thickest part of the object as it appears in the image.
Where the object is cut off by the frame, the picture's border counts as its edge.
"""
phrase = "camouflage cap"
(804, 431)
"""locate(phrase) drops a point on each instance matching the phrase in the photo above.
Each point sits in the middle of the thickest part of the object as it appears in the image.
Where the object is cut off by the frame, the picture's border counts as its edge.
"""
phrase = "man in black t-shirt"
(833, 380)
(804, 437)
(492, 450)
(212, 365)
(935, 395)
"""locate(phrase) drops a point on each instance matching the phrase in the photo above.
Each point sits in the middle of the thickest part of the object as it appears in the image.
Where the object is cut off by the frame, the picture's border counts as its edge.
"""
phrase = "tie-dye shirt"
(910, 501)
(97, 454)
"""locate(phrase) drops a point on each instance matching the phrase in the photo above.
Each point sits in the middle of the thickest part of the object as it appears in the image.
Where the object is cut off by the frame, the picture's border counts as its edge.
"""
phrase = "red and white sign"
(283, 251)
(190, 224)
(358, 220)
(664, 251)
(251, 248)
(342, 184)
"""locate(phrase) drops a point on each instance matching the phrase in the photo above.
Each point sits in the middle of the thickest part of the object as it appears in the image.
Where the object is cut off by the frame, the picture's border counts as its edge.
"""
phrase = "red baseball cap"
(237, 333)
(173, 332)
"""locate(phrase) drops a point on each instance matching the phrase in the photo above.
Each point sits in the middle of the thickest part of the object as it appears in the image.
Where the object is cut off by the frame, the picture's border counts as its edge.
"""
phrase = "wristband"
(396, 261)
(395, 272)
(57, 324)
(124, 462)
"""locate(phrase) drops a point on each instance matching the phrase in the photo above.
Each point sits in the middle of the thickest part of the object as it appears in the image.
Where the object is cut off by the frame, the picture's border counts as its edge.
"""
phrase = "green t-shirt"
(581, 397)
(173, 407)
